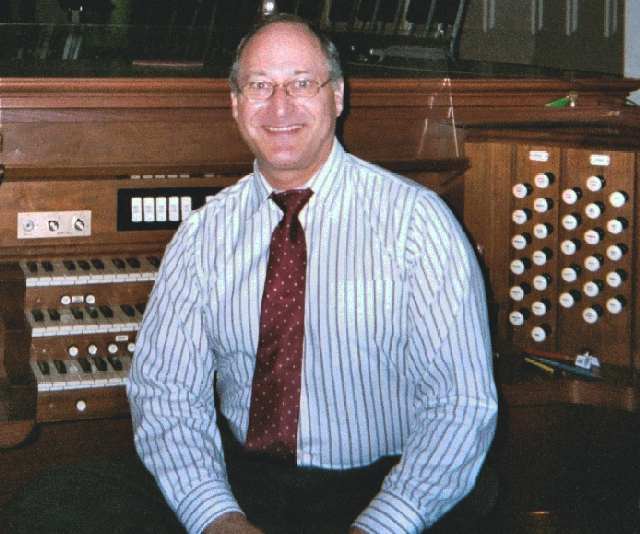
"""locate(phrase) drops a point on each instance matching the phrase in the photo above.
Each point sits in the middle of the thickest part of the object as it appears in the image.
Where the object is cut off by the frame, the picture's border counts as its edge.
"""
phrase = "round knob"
(542, 204)
(593, 288)
(595, 183)
(617, 225)
(615, 278)
(570, 246)
(593, 237)
(522, 190)
(571, 196)
(572, 221)
(615, 252)
(518, 292)
(540, 333)
(594, 210)
(540, 257)
(520, 241)
(518, 317)
(112, 348)
(569, 298)
(65, 300)
(518, 267)
(81, 405)
(131, 347)
(542, 230)
(592, 314)
(90, 299)
(571, 273)
(540, 307)
(615, 304)
(73, 351)
(618, 199)
(78, 224)
(92, 349)
(593, 262)
(521, 216)
(542, 281)
(544, 179)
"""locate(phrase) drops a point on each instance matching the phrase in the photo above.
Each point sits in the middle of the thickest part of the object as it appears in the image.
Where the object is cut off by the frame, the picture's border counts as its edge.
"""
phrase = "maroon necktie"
(275, 393)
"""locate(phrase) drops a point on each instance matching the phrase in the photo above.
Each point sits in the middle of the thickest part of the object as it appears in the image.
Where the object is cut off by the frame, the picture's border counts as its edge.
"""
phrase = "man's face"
(290, 137)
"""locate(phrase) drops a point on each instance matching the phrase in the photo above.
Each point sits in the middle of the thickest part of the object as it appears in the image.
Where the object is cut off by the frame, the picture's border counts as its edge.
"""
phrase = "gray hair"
(328, 48)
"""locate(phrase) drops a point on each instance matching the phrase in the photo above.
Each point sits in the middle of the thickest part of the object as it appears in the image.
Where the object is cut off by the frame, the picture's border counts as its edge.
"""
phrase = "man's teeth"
(282, 129)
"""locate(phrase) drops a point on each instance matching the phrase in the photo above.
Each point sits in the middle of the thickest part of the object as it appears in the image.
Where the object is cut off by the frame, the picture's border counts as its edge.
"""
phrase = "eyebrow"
(263, 73)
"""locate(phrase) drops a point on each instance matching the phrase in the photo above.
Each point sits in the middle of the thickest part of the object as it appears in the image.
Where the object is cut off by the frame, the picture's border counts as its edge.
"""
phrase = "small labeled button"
(595, 183)
(571, 196)
(572, 221)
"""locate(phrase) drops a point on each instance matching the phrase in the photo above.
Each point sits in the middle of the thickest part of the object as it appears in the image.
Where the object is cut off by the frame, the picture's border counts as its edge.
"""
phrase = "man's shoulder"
(230, 198)
(371, 178)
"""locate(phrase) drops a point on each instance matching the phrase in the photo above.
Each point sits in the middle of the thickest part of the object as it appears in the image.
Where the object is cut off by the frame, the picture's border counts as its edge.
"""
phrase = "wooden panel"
(486, 217)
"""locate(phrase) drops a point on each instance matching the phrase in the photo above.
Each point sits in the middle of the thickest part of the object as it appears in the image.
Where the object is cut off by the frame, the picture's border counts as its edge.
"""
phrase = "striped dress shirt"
(397, 356)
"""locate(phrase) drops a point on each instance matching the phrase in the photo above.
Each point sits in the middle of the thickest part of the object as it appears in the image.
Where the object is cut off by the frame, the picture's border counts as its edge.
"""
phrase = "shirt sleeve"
(171, 393)
(449, 361)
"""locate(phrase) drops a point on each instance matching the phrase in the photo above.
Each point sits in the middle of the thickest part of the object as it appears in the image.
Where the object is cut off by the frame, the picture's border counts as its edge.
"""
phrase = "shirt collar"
(322, 183)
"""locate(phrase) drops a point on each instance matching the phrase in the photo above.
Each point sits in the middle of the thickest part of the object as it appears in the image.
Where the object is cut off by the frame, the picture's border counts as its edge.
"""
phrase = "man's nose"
(280, 99)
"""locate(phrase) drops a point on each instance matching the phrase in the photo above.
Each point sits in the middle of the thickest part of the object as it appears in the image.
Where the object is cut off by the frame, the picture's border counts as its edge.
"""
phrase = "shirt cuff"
(205, 504)
(388, 514)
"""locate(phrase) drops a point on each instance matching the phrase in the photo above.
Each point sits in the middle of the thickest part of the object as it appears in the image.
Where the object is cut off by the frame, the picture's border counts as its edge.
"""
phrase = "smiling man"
(315, 354)
(290, 137)
(340, 311)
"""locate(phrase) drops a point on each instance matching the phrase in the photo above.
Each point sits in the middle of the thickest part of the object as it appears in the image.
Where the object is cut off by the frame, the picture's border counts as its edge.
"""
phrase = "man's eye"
(301, 84)
(259, 86)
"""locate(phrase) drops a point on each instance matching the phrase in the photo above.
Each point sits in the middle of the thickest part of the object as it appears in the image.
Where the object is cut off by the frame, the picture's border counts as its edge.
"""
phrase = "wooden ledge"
(522, 385)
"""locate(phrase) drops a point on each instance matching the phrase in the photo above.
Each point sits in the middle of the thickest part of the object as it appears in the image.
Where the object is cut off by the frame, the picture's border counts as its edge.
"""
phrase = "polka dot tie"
(275, 394)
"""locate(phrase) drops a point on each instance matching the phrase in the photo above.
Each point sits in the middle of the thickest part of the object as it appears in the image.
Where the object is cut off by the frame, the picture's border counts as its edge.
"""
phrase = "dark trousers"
(119, 496)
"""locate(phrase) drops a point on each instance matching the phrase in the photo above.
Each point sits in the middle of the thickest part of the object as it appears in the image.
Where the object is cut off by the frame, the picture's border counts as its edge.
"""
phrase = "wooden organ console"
(97, 174)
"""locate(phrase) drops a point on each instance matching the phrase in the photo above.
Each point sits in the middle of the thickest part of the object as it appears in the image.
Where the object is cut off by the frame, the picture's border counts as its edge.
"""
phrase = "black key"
(153, 260)
(115, 363)
(60, 366)
(48, 266)
(85, 364)
(77, 313)
(32, 266)
(98, 264)
(141, 307)
(69, 265)
(134, 262)
(106, 311)
(118, 263)
(93, 312)
(128, 310)
(44, 368)
(84, 265)
(53, 313)
(101, 365)
(38, 315)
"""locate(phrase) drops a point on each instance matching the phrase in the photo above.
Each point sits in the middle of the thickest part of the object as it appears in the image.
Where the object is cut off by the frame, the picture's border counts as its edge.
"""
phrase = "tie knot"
(292, 200)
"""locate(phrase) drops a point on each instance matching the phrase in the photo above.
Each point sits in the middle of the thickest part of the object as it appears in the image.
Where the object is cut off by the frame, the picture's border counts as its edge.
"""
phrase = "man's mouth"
(282, 129)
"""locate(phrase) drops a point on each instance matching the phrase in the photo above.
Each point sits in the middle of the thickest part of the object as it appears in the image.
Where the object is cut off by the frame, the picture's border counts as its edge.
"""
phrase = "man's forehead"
(284, 46)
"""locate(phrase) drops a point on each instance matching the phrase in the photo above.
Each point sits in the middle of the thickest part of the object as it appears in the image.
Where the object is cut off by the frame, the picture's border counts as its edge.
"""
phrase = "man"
(396, 365)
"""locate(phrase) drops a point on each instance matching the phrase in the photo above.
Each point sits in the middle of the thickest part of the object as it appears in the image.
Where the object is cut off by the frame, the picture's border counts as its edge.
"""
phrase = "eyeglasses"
(298, 88)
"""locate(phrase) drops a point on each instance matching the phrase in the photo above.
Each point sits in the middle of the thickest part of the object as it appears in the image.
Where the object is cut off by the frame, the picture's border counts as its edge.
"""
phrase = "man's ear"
(234, 105)
(338, 96)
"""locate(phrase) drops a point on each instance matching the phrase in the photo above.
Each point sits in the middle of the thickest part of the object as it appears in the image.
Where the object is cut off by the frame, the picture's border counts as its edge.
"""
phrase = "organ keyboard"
(80, 373)
(89, 271)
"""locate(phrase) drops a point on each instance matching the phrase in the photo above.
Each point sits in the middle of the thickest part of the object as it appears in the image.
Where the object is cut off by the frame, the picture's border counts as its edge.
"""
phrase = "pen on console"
(539, 365)
(565, 367)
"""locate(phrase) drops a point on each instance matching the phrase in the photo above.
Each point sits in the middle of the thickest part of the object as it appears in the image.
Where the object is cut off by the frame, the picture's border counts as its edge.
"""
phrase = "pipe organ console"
(96, 175)
(563, 257)
(76, 312)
